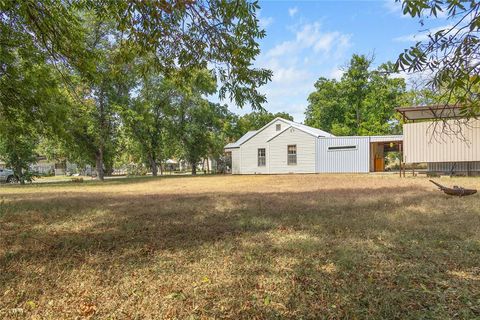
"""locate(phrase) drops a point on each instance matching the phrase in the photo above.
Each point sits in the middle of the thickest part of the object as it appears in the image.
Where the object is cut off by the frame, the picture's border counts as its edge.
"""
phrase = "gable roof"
(313, 131)
(244, 138)
(247, 136)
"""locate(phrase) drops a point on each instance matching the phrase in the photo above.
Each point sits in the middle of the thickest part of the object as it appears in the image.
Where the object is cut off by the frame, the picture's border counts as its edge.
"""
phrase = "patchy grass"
(240, 247)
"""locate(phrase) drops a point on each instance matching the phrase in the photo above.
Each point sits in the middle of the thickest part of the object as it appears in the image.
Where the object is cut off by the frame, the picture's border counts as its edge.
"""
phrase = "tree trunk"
(102, 130)
(153, 166)
(194, 169)
(19, 173)
(99, 164)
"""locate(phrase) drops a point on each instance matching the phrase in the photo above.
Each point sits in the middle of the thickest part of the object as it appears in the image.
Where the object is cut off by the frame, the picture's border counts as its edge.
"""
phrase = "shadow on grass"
(114, 180)
(339, 253)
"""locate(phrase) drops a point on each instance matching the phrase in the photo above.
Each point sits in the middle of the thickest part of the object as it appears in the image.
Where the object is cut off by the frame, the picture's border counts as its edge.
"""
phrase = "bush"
(137, 170)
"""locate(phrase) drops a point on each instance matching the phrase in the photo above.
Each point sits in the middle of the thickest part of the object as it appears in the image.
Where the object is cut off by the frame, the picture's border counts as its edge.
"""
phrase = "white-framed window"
(292, 154)
(278, 127)
(342, 148)
(261, 157)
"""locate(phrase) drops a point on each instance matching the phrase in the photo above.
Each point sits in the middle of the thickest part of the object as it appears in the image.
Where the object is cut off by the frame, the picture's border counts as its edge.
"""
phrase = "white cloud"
(292, 11)
(282, 49)
(265, 22)
(310, 52)
(325, 42)
(289, 75)
(393, 6)
(310, 36)
(422, 36)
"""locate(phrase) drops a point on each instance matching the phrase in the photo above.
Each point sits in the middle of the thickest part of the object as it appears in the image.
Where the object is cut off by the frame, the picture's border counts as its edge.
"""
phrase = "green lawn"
(240, 247)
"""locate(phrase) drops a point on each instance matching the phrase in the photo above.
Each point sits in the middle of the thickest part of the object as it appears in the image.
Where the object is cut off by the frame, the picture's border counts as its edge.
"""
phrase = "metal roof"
(439, 111)
(313, 131)
(386, 138)
(244, 138)
(302, 128)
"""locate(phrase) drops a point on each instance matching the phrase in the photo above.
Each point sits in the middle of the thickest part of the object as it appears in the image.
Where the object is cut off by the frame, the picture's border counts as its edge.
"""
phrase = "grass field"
(240, 247)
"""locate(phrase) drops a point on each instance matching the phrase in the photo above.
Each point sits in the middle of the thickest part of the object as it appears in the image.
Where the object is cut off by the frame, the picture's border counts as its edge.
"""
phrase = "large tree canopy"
(97, 51)
(180, 34)
(450, 55)
(361, 103)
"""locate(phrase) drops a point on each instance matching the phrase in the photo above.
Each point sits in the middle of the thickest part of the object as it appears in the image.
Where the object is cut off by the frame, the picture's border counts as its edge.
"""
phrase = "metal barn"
(439, 136)
(359, 154)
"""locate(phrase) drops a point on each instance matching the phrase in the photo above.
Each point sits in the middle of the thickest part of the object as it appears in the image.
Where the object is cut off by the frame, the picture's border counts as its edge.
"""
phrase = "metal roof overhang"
(386, 138)
(430, 112)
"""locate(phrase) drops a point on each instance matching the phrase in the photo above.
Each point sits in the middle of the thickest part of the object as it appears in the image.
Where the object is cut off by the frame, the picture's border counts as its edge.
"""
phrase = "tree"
(224, 129)
(327, 107)
(451, 54)
(361, 103)
(32, 101)
(356, 87)
(100, 94)
(146, 120)
(184, 34)
(170, 117)
(92, 46)
(194, 116)
(257, 119)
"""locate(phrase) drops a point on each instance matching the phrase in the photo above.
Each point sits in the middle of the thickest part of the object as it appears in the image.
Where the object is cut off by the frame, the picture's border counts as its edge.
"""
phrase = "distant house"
(284, 146)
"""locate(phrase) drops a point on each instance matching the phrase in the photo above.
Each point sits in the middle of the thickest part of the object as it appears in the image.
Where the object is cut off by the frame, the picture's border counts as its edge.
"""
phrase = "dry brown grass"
(240, 247)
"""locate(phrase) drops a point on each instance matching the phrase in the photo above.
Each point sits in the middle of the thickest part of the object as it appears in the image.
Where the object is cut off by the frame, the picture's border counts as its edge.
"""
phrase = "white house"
(284, 146)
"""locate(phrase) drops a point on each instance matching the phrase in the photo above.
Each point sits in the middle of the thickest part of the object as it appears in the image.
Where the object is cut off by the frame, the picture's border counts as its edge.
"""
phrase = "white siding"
(345, 161)
(305, 152)
(236, 161)
(249, 149)
(423, 144)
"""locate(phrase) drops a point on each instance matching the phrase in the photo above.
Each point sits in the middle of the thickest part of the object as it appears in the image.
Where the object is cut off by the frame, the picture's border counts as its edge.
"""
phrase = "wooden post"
(401, 157)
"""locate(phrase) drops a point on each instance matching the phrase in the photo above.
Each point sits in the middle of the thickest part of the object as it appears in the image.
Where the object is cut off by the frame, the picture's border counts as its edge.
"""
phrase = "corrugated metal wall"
(349, 160)
(471, 166)
(424, 143)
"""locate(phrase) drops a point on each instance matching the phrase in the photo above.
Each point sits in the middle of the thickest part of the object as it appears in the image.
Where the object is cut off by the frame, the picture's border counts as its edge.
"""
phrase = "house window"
(340, 148)
(261, 157)
(292, 154)
(279, 127)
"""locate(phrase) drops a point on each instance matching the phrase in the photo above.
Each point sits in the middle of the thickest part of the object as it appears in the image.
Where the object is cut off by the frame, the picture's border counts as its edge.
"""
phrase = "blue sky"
(311, 39)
